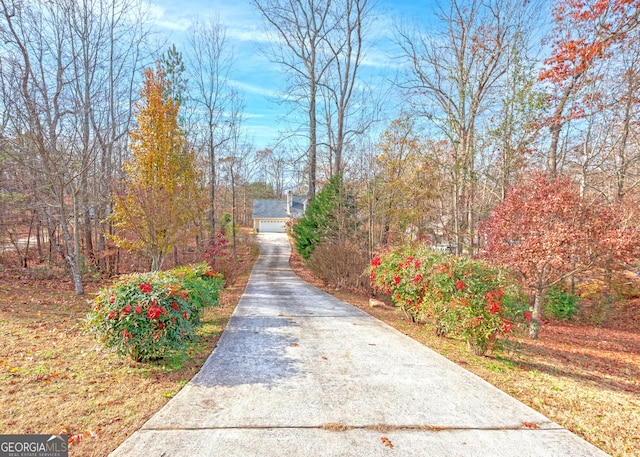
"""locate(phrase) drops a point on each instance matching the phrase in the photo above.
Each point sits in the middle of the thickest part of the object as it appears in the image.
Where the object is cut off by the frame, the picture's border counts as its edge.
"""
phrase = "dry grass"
(585, 378)
(54, 378)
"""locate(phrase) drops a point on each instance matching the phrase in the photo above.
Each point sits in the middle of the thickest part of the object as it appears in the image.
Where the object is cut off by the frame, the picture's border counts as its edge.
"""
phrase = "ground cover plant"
(585, 377)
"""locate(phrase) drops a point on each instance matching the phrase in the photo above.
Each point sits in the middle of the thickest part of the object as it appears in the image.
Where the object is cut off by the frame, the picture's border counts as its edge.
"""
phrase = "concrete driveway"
(299, 373)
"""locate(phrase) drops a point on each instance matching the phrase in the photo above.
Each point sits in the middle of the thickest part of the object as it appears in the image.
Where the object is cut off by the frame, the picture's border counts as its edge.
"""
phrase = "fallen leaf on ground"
(75, 439)
(386, 442)
(531, 425)
(115, 419)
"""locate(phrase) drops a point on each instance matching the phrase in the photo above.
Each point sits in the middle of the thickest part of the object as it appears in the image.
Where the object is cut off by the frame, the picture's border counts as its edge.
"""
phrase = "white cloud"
(378, 60)
(254, 89)
(247, 33)
(168, 20)
(253, 116)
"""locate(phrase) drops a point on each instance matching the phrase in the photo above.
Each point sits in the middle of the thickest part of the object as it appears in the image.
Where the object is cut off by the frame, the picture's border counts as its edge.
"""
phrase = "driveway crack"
(382, 428)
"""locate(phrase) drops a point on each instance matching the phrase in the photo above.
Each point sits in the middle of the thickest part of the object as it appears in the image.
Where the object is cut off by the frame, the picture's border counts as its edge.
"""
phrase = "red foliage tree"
(584, 32)
(545, 231)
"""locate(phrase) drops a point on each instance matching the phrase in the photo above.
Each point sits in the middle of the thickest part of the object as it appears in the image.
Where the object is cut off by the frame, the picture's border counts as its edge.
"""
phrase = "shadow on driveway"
(252, 350)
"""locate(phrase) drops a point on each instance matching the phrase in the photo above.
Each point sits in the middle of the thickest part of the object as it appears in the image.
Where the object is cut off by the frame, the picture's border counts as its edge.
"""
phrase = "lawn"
(54, 378)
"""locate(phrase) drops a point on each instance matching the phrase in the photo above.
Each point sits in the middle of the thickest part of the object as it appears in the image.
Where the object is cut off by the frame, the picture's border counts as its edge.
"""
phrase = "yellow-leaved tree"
(404, 184)
(162, 196)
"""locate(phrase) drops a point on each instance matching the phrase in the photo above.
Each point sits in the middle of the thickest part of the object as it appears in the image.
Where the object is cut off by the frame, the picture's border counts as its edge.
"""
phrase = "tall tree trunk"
(312, 137)
(337, 168)
(557, 122)
(536, 315)
(233, 214)
(38, 237)
(25, 264)
(86, 220)
(455, 210)
(621, 172)
(552, 156)
(73, 249)
(212, 185)
(70, 253)
(470, 158)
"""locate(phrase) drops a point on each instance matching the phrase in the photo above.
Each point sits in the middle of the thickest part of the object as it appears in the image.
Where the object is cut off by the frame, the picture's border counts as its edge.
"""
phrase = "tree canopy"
(546, 231)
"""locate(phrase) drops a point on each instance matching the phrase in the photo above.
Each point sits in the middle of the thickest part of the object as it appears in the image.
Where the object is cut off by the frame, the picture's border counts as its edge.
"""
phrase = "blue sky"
(258, 79)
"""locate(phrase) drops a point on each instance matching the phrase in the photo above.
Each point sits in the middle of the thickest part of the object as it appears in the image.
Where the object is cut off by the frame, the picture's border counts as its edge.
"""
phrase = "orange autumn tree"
(546, 231)
(585, 32)
(162, 193)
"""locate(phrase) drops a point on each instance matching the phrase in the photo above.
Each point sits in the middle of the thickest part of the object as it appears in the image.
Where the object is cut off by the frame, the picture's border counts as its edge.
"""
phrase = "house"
(276, 215)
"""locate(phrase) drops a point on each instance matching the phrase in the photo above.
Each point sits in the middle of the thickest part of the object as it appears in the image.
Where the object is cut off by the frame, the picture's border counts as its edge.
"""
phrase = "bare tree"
(514, 128)
(626, 107)
(273, 166)
(346, 45)
(39, 65)
(210, 60)
(99, 31)
(56, 83)
(237, 152)
(299, 44)
(453, 74)
(122, 51)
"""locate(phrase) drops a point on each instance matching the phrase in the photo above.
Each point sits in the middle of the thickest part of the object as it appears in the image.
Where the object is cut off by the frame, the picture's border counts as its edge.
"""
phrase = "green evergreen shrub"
(329, 216)
(150, 315)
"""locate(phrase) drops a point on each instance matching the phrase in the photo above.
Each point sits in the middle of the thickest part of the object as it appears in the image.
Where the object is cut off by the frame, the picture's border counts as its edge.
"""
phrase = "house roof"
(298, 205)
(277, 209)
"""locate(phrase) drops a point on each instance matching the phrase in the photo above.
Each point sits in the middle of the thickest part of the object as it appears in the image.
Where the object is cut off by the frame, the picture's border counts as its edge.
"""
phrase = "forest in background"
(490, 94)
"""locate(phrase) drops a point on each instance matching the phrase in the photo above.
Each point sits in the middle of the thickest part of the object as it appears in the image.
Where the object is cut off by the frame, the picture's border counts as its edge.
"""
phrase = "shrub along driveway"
(299, 373)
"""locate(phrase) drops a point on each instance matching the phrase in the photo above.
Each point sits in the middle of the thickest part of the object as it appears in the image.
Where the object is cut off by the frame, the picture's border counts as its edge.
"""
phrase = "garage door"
(272, 226)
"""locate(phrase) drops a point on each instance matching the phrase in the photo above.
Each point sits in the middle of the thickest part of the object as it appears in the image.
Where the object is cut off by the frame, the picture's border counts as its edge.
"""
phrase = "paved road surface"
(300, 373)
